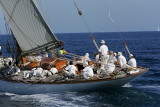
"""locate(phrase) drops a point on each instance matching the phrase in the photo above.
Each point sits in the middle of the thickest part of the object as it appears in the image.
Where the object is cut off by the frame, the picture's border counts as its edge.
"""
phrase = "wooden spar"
(95, 43)
(80, 13)
(126, 47)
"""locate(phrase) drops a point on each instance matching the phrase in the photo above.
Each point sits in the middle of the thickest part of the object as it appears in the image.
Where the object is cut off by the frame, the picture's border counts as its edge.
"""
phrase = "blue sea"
(141, 92)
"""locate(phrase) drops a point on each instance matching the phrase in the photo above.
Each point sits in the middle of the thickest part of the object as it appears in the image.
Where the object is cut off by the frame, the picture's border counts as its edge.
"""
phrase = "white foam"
(127, 85)
(57, 99)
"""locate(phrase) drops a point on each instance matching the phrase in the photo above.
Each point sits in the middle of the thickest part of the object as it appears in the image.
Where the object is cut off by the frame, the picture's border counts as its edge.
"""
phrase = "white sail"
(158, 29)
(28, 25)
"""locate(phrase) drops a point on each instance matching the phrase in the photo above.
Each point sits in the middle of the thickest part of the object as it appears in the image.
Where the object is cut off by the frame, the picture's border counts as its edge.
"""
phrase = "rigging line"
(39, 32)
(87, 26)
(113, 21)
(83, 19)
(48, 29)
(24, 35)
(43, 11)
(46, 17)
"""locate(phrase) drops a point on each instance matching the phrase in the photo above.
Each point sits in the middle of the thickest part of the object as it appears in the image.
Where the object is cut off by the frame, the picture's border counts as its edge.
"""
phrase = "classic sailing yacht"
(33, 37)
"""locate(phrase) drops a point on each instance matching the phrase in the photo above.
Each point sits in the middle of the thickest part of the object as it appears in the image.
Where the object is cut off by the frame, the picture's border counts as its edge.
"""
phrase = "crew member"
(132, 62)
(62, 51)
(86, 59)
(110, 67)
(122, 61)
(104, 54)
(53, 70)
(70, 70)
(88, 71)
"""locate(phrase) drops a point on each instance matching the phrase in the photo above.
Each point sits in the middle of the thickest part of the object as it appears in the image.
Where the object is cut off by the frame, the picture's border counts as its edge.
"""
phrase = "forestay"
(28, 26)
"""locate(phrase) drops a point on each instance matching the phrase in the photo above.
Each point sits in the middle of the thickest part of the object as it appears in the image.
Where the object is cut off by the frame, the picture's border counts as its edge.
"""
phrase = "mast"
(28, 26)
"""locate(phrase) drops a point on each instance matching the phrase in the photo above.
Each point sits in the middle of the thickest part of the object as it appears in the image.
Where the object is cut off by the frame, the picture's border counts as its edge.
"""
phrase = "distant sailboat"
(33, 37)
(158, 28)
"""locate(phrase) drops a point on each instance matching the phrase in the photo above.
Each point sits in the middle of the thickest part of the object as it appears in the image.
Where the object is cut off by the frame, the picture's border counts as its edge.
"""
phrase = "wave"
(128, 85)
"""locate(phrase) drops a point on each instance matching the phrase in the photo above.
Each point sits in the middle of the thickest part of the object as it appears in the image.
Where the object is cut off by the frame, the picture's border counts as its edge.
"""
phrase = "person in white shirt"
(132, 62)
(11, 68)
(70, 70)
(122, 61)
(88, 71)
(103, 49)
(38, 71)
(17, 70)
(97, 57)
(103, 54)
(110, 67)
(53, 70)
(86, 59)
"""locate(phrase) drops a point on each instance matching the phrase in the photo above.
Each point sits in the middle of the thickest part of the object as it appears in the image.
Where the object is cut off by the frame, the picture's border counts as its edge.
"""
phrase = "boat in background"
(33, 37)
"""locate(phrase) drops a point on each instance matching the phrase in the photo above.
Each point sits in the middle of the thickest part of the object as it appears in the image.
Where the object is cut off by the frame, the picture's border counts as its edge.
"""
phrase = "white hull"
(22, 88)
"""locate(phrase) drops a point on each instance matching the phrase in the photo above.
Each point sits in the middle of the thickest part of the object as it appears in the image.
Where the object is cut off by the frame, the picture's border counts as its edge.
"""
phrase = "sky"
(128, 15)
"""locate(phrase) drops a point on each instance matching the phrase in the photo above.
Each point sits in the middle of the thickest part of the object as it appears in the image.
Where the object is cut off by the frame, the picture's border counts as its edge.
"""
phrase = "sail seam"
(18, 27)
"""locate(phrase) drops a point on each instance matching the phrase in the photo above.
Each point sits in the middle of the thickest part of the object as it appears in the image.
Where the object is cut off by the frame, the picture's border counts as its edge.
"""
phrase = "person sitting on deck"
(37, 71)
(11, 68)
(122, 61)
(17, 69)
(88, 71)
(86, 59)
(53, 70)
(132, 62)
(70, 70)
(110, 67)
(61, 52)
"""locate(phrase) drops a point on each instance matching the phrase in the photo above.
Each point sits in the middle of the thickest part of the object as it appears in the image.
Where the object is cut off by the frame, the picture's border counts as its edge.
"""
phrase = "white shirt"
(132, 62)
(72, 69)
(104, 50)
(122, 61)
(38, 71)
(97, 58)
(17, 70)
(88, 70)
(85, 60)
(112, 59)
(54, 70)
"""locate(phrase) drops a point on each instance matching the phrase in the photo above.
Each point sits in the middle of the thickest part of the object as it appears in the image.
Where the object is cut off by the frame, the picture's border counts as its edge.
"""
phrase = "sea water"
(144, 91)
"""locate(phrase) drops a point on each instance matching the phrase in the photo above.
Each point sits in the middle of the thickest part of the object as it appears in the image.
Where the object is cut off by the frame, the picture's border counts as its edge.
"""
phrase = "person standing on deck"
(132, 62)
(86, 59)
(103, 54)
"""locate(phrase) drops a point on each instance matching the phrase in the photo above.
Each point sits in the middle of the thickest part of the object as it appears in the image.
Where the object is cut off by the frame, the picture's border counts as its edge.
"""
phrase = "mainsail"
(28, 26)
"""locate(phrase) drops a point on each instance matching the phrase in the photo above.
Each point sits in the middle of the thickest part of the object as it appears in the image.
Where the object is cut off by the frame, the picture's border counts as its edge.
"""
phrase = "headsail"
(28, 26)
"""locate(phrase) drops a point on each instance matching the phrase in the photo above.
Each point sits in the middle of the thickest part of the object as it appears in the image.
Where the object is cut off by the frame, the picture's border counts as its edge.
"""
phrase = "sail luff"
(29, 27)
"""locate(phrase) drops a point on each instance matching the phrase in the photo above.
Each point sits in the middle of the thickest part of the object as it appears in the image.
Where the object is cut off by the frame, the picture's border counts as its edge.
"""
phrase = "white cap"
(87, 54)
(115, 54)
(131, 55)
(102, 41)
(119, 53)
